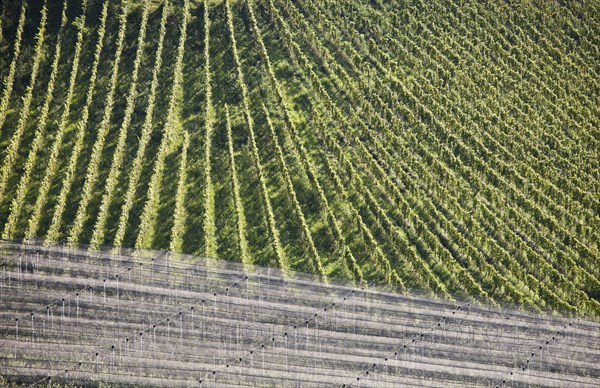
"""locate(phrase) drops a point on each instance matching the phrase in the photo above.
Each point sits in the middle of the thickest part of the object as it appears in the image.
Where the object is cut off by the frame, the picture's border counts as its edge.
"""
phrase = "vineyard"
(154, 318)
(430, 147)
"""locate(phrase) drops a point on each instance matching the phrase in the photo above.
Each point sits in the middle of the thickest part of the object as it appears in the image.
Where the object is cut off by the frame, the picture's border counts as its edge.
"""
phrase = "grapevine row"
(384, 175)
(270, 218)
(52, 161)
(10, 77)
(54, 231)
(527, 169)
(13, 146)
(210, 243)
(21, 191)
(523, 136)
(300, 152)
(292, 46)
(136, 167)
(411, 43)
(513, 292)
(416, 267)
(317, 265)
(390, 274)
(509, 69)
(310, 74)
(117, 160)
(179, 215)
(289, 42)
(559, 251)
(93, 165)
(147, 219)
(237, 201)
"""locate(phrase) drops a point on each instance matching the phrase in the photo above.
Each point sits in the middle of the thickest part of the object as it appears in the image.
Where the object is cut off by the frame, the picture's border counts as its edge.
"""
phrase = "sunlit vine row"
(53, 233)
(179, 215)
(135, 171)
(119, 152)
(15, 141)
(210, 242)
(10, 77)
(103, 128)
(21, 190)
(270, 218)
(237, 200)
(148, 217)
(302, 154)
(52, 161)
(317, 265)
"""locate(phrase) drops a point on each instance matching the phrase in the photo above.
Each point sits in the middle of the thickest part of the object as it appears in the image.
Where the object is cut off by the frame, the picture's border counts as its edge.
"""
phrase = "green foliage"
(52, 160)
(235, 186)
(272, 228)
(147, 221)
(443, 147)
(210, 243)
(8, 82)
(17, 202)
(119, 153)
(54, 233)
(93, 165)
(179, 216)
(136, 168)
(15, 141)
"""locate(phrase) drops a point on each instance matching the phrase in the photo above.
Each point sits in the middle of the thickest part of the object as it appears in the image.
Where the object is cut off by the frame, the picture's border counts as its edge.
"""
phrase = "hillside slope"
(423, 144)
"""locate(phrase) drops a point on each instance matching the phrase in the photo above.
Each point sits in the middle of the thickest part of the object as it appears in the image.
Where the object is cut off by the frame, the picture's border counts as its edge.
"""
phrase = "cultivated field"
(452, 149)
(71, 316)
